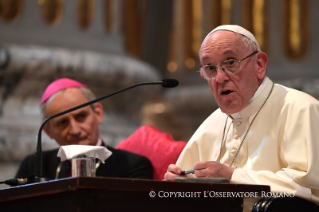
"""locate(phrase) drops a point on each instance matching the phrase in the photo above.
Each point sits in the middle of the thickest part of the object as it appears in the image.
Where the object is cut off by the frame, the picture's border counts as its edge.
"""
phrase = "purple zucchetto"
(58, 85)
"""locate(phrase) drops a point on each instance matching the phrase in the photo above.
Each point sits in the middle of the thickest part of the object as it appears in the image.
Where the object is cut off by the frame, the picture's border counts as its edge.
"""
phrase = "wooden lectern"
(118, 194)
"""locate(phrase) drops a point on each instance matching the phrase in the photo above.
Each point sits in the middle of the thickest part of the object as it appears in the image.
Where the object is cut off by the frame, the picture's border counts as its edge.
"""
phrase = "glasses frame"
(203, 73)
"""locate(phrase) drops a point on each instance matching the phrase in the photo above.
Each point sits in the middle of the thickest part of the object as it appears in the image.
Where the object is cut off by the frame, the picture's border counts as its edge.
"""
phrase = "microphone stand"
(168, 83)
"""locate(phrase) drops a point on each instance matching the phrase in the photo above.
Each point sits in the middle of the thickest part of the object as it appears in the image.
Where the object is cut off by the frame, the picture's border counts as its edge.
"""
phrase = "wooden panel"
(10, 10)
(85, 13)
(118, 194)
(256, 20)
(295, 28)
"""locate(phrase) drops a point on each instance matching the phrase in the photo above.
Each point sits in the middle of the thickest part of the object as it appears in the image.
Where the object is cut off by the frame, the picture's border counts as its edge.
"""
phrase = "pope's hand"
(211, 169)
(172, 172)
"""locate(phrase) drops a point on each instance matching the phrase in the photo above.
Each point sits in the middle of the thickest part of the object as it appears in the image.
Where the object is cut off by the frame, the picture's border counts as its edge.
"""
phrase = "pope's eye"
(211, 68)
(230, 62)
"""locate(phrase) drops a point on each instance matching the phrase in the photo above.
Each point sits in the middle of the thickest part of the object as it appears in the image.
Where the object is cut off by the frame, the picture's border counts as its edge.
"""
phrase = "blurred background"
(111, 44)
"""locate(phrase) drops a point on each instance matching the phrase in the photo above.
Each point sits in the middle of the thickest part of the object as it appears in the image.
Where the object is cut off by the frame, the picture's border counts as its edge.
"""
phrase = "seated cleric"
(263, 133)
(80, 127)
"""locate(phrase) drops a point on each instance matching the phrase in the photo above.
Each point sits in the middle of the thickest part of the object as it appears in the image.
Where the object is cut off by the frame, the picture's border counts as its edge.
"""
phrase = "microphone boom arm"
(38, 154)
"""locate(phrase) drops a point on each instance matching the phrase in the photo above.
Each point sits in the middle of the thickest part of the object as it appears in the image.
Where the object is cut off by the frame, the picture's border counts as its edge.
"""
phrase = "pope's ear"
(99, 112)
(262, 61)
(47, 130)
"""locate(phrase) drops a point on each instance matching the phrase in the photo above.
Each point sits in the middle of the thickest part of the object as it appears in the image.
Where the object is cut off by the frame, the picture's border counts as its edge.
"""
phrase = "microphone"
(170, 83)
(166, 83)
(15, 181)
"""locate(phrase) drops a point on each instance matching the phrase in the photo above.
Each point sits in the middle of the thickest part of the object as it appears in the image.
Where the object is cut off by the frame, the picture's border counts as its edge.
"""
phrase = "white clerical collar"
(259, 90)
(99, 142)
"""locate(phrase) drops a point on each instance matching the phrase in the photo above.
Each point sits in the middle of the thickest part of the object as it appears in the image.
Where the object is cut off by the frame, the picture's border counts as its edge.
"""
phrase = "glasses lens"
(202, 74)
(210, 71)
(231, 65)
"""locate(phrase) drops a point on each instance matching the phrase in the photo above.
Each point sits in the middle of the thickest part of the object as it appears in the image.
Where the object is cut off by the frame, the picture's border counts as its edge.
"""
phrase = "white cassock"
(281, 148)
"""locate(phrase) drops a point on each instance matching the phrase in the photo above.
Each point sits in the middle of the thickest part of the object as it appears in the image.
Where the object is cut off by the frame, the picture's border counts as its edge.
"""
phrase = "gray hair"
(86, 92)
(249, 44)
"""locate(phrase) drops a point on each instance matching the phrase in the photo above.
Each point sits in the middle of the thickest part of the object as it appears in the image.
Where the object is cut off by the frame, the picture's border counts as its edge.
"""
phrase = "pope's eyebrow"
(229, 51)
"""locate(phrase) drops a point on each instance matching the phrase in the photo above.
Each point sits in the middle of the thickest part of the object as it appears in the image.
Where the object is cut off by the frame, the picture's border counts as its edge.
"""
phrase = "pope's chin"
(229, 106)
(229, 109)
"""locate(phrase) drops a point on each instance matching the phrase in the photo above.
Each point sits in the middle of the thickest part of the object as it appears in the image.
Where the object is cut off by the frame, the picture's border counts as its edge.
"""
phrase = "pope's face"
(232, 92)
(77, 127)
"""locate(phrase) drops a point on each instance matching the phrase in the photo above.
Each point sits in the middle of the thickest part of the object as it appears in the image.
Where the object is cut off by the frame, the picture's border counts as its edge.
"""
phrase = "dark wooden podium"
(118, 194)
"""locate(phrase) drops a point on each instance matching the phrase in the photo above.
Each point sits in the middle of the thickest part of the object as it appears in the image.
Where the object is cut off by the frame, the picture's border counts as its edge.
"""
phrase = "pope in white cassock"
(263, 133)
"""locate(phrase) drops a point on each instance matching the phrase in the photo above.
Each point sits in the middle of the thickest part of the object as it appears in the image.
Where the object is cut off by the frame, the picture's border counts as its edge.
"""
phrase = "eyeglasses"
(228, 66)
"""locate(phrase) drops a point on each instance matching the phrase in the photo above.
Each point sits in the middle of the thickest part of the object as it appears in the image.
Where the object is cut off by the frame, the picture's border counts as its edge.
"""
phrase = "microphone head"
(170, 83)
